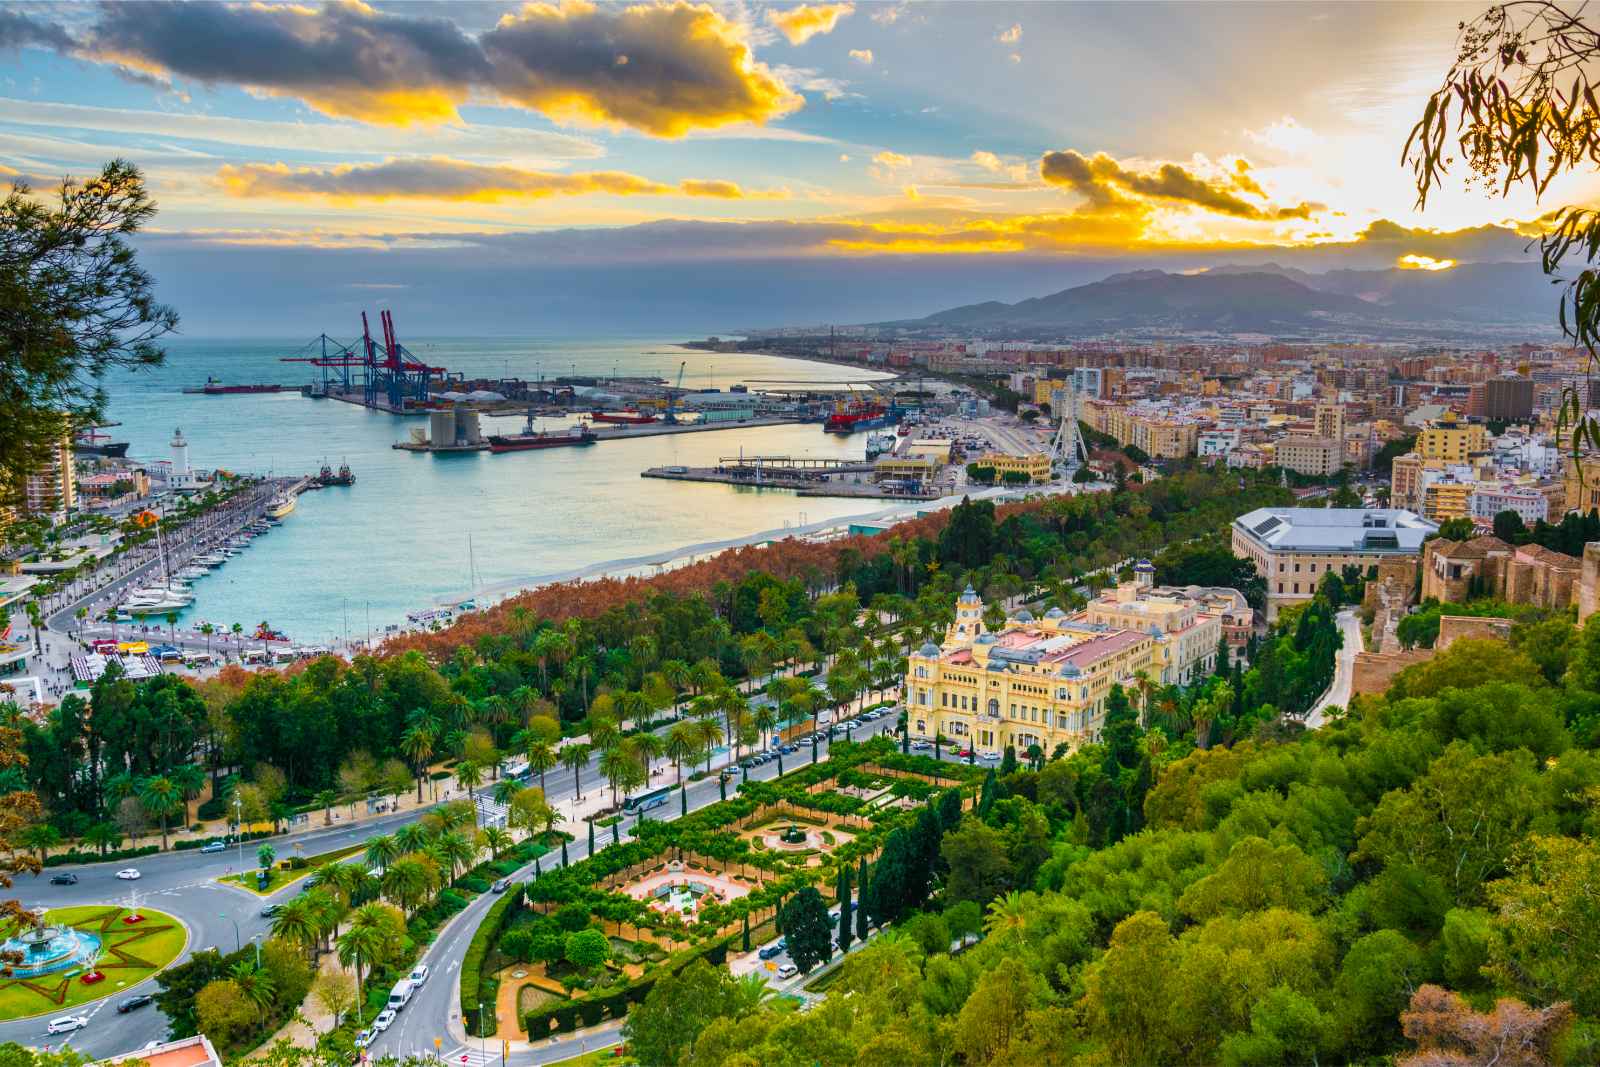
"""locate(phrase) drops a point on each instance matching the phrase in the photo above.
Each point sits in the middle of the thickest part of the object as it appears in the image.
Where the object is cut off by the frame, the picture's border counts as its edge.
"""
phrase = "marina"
(349, 563)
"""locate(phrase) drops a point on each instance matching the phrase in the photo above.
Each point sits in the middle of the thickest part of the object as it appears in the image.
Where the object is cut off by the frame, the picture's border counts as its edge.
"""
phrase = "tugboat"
(326, 477)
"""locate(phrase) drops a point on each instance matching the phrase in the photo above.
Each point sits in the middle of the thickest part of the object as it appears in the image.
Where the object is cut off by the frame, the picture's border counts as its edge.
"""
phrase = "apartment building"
(1447, 439)
(1582, 482)
(1036, 465)
(1293, 548)
(1160, 434)
(1309, 455)
(51, 489)
(1330, 421)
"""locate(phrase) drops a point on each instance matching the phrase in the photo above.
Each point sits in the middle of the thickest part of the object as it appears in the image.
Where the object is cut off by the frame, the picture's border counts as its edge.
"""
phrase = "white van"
(400, 995)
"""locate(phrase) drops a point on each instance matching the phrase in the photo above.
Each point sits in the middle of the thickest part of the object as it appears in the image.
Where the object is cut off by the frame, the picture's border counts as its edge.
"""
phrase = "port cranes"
(387, 369)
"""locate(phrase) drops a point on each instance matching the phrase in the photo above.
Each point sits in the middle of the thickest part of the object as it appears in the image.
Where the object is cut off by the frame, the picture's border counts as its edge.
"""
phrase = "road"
(184, 884)
(1344, 669)
(434, 1011)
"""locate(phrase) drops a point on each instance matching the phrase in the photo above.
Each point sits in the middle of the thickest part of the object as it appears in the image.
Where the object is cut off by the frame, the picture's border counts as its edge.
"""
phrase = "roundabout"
(74, 955)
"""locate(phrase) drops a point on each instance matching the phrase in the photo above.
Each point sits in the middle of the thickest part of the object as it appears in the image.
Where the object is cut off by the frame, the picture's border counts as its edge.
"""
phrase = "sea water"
(420, 528)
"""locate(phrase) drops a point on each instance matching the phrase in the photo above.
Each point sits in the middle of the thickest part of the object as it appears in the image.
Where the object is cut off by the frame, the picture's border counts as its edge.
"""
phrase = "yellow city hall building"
(1037, 681)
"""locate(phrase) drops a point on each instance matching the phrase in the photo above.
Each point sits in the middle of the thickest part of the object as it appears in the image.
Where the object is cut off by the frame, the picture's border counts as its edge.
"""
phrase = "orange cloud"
(800, 24)
(664, 68)
(440, 178)
(1105, 184)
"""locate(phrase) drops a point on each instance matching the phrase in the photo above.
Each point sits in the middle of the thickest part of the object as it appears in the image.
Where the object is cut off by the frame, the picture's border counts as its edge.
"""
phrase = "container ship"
(625, 418)
(861, 415)
(530, 438)
(213, 387)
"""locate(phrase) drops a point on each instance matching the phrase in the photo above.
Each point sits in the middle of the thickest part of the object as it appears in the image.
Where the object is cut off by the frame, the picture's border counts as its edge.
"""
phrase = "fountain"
(45, 949)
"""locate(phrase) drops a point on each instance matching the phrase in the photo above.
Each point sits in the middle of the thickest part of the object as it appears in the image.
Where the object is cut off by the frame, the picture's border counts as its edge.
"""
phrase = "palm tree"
(255, 983)
(603, 731)
(505, 791)
(575, 757)
(678, 675)
(459, 851)
(408, 881)
(296, 921)
(470, 774)
(41, 837)
(682, 743)
(750, 992)
(411, 837)
(172, 626)
(709, 734)
(765, 718)
(416, 744)
(496, 839)
(382, 850)
(161, 797)
(368, 940)
(207, 629)
(646, 747)
(190, 778)
(326, 799)
(615, 763)
(103, 835)
(541, 759)
(1008, 914)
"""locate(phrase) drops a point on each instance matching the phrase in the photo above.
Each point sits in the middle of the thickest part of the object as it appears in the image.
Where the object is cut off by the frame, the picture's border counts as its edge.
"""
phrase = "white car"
(419, 975)
(788, 970)
(129, 874)
(66, 1024)
(365, 1038)
(381, 1023)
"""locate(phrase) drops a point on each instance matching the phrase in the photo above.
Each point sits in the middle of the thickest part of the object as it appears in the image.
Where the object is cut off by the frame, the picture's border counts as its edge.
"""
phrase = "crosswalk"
(473, 1057)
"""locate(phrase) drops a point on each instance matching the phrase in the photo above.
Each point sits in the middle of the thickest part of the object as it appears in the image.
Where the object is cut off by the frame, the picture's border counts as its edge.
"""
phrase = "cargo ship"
(625, 418)
(880, 443)
(530, 438)
(90, 443)
(213, 387)
(861, 415)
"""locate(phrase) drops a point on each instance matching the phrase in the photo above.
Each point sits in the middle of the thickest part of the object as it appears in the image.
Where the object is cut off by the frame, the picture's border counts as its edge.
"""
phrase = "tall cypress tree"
(864, 902)
(844, 907)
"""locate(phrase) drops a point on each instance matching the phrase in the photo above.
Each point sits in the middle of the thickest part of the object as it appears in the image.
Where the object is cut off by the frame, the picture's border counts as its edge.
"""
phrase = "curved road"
(184, 884)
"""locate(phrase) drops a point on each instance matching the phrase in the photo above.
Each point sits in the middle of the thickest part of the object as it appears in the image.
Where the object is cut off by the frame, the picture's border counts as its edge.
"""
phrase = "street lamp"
(237, 944)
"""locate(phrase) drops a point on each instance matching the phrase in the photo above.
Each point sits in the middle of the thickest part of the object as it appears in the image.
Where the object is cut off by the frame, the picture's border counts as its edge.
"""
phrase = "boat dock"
(605, 432)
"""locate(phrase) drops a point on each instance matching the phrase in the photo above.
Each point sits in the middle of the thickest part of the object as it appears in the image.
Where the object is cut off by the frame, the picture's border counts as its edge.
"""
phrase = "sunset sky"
(955, 152)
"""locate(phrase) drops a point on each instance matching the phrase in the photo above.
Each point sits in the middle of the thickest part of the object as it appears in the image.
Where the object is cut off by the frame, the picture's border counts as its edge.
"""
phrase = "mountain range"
(1270, 299)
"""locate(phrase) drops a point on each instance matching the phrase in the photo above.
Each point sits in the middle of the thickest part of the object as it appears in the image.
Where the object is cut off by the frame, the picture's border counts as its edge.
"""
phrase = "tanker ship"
(625, 418)
(861, 415)
(530, 438)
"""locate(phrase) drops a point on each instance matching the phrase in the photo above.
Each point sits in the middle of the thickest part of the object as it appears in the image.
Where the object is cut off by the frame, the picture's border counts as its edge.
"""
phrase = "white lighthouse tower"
(183, 478)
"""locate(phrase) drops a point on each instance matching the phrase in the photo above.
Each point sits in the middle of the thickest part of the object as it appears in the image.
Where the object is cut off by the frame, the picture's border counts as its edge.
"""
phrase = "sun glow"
(1413, 261)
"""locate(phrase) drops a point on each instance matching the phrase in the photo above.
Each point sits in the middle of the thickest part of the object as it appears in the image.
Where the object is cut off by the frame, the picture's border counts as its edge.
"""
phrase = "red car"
(965, 753)
(92, 977)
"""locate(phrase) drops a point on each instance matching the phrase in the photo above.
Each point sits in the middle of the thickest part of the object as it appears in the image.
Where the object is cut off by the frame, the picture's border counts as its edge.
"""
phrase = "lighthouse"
(183, 478)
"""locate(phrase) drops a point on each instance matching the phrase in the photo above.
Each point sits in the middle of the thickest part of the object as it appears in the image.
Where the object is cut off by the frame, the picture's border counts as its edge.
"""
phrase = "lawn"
(600, 1058)
(129, 953)
(279, 877)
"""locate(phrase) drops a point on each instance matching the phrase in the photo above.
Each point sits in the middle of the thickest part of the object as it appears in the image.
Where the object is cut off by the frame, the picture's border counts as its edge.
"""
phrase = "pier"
(609, 432)
(805, 475)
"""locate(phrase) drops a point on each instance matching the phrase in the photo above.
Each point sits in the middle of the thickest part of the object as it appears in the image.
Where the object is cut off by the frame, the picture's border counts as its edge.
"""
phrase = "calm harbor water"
(416, 528)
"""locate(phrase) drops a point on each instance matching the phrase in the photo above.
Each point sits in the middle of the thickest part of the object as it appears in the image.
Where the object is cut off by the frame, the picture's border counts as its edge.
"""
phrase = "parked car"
(269, 910)
(965, 753)
(381, 1023)
(419, 975)
(921, 746)
(989, 757)
(772, 951)
(64, 878)
(365, 1038)
(501, 886)
(129, 874)
(788, 970)
(66, 1024)
(133, 1003)
(213, 846)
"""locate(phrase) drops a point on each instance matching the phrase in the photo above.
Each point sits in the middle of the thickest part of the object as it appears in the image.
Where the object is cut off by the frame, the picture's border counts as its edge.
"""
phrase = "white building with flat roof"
(1293, 548)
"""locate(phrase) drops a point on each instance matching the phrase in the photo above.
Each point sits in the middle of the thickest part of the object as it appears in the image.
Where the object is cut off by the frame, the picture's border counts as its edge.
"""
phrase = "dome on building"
(986, 639)
(1024, 615)
(1055, 613)
(969, 595)
(1070, 670)
(929, 651)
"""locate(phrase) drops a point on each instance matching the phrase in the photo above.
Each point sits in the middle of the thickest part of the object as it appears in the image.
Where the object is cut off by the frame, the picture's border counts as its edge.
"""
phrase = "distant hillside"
(1273, 299)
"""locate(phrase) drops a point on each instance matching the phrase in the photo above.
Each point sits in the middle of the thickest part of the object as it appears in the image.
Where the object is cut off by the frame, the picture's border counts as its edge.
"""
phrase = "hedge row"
(201, 842)
(472, 966)
(564, 1017)
(61, 859)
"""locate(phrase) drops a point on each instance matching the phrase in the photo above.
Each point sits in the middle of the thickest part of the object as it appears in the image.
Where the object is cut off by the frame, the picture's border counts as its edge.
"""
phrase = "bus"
(645, 801)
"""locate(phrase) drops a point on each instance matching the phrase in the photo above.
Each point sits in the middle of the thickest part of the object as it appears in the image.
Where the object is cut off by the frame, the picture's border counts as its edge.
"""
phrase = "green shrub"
(472, 884)
(591, 1011)
(487, 933)
(566, 1018)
